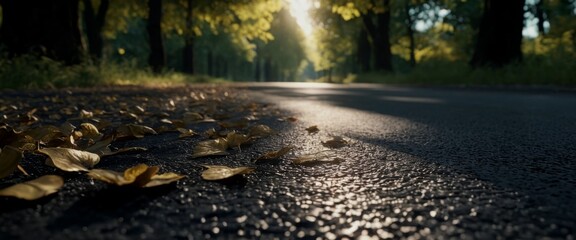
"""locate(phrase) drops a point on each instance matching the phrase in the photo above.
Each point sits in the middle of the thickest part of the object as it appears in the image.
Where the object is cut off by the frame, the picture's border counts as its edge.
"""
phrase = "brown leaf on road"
(9, 159)
(211, 147)
(88, 130)
(260, 131)
(133, 130)
(313, 129)
(275, 154)
(186, 132)
(318, 157)
(235, 139)
(238, 123)
(34, 189)
(218, 172)
(139, 176)
(335, 142)
(70, 160)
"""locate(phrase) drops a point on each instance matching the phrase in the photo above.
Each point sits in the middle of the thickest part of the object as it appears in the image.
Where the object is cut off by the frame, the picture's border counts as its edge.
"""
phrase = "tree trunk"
(157, 58)
(540, 15)
(257, 70)
(210, 63)
(268, 75)
(188, 54)
(45, 27)
(499, 39)
(363, 51)
(94, 23)
(410, 30)
(380, 35)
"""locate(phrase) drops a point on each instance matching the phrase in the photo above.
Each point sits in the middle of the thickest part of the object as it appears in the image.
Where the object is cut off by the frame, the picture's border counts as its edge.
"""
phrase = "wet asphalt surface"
(421, 164)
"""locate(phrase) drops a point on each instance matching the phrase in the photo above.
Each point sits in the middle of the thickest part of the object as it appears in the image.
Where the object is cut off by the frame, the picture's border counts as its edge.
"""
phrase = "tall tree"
(499, 38)
(379, 33)
(410, 32)
(376, 17)
(363, 51)
(188, 51)
(46, 27)
(157, 58)
(95, 21)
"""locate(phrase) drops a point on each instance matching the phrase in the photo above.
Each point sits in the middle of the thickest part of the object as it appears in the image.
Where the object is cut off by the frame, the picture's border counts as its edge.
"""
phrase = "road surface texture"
(420, 163)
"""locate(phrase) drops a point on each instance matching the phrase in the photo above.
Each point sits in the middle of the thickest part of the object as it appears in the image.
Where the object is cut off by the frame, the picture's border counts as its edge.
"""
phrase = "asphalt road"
(421, 164)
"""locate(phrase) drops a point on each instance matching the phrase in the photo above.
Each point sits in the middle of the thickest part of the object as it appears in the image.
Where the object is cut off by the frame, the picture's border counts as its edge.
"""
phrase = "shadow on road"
(522, 141)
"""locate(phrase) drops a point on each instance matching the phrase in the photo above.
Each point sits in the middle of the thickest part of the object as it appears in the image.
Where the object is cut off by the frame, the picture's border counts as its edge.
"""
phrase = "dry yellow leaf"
(260, 131)
(211, 147)
(313, 129)
(163, 179)
(88, 130)
(133, 130)
(9, 159)
(217, 172)
(67, 128)
(235, 139)
(34, 189)
(140, 176)
(275, 154)
(185, 132)
(319, 157)
(238, 123)
(124, 150)
(101, 147)
(211, 133)
(335, 142)
(192, 117)
(86, 114)
(70, 160)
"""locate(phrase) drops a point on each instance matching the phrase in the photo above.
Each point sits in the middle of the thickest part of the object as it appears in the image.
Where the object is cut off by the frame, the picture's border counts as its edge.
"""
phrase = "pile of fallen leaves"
(74, 131)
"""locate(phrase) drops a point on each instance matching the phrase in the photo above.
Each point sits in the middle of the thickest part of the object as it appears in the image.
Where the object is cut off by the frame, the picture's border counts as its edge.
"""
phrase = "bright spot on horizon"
(299, 10)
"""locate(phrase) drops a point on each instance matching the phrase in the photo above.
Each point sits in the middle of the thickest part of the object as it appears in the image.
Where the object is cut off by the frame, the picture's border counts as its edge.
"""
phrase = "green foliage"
(534, 71)
(39, 72)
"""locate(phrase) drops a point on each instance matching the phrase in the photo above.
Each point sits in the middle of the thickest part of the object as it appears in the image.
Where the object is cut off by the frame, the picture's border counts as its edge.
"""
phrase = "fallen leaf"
(313, 129)
(124, 150)
(216, 172)
(275, 154)
(140, 176)
(335, 142)
(260, 131)
(238, 123)
(211, 147)
(133, 130)
(67, 128)
(34, 189)
(85, 114)
(163, 179)
(70, 160)
(101, 147)
(88, 130)
(292, 119)
(9, 159)
(211, 133)
(319, 157)
(45, 134)
(235, 139)
(185, 132)
(192, 117)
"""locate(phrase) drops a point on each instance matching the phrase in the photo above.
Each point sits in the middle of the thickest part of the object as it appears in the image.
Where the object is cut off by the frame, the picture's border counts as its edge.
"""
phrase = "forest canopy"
(283, 40)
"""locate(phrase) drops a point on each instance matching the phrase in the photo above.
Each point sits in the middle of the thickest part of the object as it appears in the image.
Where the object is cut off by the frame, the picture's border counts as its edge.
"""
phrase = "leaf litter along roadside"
(77, 131)
(74, 129)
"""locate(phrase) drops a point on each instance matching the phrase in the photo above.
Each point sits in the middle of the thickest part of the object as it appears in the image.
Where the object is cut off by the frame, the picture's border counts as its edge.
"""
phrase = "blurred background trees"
(264, 40)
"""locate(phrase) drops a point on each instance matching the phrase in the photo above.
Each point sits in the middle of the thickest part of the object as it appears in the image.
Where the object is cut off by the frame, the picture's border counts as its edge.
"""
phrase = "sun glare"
(299, 10)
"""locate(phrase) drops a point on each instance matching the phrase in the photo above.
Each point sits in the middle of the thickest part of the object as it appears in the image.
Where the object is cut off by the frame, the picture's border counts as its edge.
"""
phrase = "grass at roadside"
(532, 72)
(34, 72)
